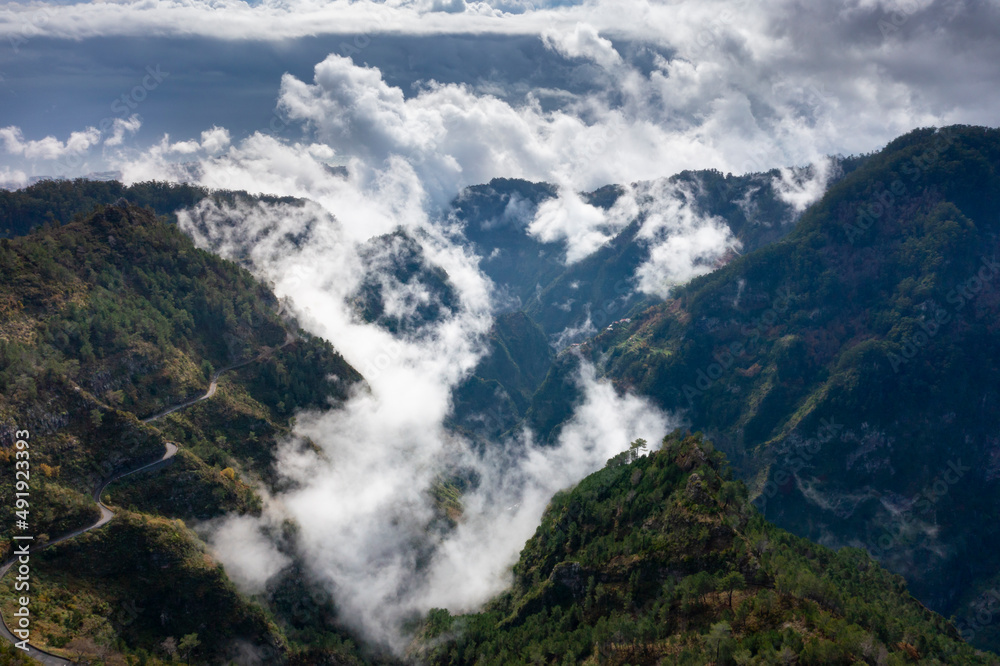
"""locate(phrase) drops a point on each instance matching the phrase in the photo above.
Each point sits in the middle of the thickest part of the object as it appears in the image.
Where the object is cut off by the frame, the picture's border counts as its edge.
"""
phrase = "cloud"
(449, 6)
(451, 137)
(720, 84)
(215, 140)
(671, 86)
(569, 219)
(683, 243)
(362, 495)
(251, 559)
(12, 179)
(361, 491)
(583, 42)
(695, 85)
(120, 127)
(472, 564)
(801, 187)
(183, 147)
(48, 148)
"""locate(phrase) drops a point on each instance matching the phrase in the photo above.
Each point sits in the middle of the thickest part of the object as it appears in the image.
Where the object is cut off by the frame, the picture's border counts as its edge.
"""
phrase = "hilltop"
(662, 559)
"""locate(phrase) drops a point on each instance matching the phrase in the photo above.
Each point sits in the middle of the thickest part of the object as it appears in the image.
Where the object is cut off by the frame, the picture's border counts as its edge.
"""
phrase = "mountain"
(571, 302)
(495, 398)
(792, 357)
(396, 263)
(60, 201)
(849, 370)
(598, 289)
(111, 319)
(661, 559)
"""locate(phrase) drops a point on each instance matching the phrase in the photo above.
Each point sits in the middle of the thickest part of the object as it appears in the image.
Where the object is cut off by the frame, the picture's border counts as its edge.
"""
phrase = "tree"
(634, 448)
(188, 644)
(718, 638)
(743, 611)
(733, 580)
(729, 492)
(82, 647)
(787, 656)
(695, 587)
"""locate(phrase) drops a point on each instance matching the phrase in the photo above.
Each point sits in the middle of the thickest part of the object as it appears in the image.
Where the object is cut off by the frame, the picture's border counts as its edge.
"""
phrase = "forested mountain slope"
(850, 370)
(663, 560)
(61, 201)
(105, 321)
(531, 274)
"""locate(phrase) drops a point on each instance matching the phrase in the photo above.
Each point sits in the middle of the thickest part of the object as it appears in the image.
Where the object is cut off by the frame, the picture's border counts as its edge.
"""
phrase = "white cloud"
(120, 127)
(183, 147)
(48, 148)
(683, 243)
(12, 179)
(802, 187)
(583, 42)
(250, 558)
(727, 86)
(451, 137)
(362, 497)
(449, 6)
(215, 140)
(473, 563)
(568, 218)
(724, 84)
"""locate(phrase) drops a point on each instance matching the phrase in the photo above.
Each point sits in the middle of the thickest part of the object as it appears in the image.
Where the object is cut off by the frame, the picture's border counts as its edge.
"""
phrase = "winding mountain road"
(107, 514)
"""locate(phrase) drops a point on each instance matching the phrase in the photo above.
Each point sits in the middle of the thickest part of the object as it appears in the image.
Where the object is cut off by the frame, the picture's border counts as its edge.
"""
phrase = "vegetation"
(115, 591)
(793, 356)
(850, 370)
(497, 396)
(54, 202)
(663, 560)
(109, 319)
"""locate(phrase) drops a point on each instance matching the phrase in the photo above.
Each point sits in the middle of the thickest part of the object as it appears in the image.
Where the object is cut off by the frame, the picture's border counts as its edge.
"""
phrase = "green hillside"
(663, 561)
(850, 370)
(495, 399)
(56, 202)
(107, 320)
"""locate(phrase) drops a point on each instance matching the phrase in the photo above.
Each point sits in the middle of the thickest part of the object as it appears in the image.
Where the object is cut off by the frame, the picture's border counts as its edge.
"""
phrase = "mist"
(361, 474)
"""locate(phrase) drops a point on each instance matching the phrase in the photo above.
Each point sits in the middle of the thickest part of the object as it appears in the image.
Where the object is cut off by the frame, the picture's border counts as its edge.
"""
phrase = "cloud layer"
(725, 84)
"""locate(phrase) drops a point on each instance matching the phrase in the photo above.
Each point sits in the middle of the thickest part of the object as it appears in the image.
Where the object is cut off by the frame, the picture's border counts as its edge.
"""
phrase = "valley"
(848, 431)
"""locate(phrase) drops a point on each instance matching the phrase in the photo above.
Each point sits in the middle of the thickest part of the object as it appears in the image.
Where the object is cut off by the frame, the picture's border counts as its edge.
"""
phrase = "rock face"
(695, 490)
(570, 575)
